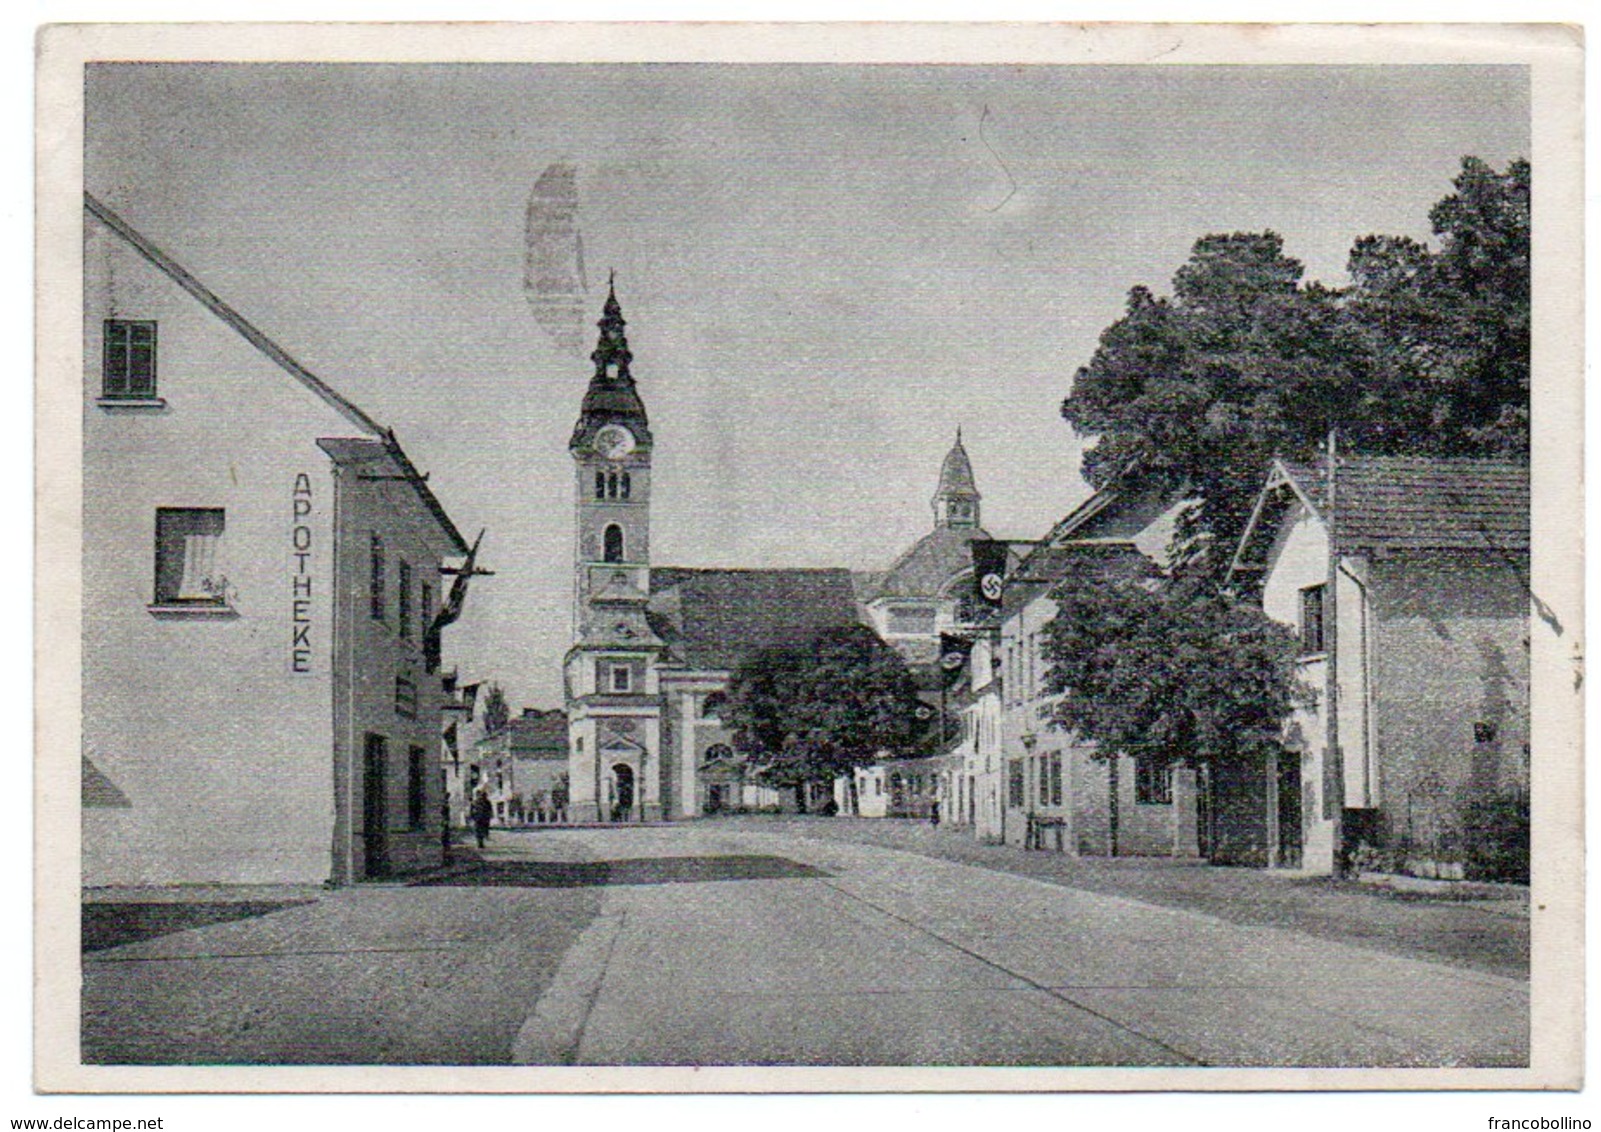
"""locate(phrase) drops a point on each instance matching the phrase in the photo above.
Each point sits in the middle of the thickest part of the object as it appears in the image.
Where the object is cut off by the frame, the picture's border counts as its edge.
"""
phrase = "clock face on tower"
(614, 442)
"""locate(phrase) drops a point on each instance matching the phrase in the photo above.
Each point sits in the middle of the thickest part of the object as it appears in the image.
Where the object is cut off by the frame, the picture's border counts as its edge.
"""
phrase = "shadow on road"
(112, 925)
(631, 870)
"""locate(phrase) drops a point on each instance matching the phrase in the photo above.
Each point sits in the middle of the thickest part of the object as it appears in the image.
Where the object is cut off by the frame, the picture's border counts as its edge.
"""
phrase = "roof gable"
(1391, 503)
(232, 318)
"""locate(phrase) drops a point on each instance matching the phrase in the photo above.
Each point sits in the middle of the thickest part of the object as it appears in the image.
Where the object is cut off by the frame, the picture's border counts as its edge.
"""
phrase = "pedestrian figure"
(482, 814)
(933, 812)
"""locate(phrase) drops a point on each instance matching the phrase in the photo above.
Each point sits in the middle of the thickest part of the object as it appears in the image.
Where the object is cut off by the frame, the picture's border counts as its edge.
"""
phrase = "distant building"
(655, 647)
(262, 586)
(1053, 779)
(928, 590)
(524, 768)
(1407, 582)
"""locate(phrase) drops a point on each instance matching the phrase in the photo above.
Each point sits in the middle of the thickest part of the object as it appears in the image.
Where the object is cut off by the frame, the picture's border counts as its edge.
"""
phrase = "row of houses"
(1405, 581)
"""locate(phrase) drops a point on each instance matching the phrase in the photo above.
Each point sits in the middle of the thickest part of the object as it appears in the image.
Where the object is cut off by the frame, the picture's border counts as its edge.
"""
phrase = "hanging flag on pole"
(450, 611)
(989, 571)
(953, 654)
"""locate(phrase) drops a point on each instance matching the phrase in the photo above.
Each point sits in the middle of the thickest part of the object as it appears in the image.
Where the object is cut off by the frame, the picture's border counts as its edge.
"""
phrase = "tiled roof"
(1422, 503)
(540, 734)
(716, 618)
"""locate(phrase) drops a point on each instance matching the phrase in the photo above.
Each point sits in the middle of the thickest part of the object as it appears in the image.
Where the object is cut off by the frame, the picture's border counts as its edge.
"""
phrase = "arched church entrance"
(623, 775)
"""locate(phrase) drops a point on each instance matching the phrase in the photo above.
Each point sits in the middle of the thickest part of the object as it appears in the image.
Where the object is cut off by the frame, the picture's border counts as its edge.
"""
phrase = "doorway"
(374, 792)
(623, 775)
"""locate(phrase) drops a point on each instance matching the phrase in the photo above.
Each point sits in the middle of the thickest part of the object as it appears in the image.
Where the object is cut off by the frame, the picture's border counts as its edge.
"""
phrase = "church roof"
(930, 563)
(716, 618)
(956, 473)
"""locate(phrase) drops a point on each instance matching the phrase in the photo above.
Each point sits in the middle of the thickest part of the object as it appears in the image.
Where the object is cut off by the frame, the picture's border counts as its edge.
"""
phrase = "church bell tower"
(613, 698)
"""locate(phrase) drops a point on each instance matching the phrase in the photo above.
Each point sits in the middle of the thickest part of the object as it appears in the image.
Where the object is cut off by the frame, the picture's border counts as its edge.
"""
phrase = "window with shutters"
(128, 372)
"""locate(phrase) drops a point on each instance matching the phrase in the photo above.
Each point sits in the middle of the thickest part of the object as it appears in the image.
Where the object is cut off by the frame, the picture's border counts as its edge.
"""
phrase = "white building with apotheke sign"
(263, 569)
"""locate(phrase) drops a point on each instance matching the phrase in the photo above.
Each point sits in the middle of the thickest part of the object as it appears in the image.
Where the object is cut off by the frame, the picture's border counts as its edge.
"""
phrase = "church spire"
(611, 397)
(612, 349)
(957, 497)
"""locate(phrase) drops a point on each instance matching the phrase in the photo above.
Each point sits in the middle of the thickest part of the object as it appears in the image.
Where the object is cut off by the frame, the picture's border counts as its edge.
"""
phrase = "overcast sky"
(825, 269)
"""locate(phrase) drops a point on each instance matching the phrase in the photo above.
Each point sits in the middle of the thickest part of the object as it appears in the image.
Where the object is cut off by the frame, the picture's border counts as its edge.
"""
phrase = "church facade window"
(600, 485)
(612, 543)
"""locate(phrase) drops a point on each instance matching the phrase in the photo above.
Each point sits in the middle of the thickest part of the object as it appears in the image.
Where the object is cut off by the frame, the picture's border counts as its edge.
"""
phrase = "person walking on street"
(482, 814)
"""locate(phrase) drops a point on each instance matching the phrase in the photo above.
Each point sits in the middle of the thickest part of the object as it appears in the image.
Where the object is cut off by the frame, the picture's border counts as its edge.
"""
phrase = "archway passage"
(623, 775)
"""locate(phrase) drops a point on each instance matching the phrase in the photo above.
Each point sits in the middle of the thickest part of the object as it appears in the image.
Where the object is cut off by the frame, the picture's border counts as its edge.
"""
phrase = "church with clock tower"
(655, 647)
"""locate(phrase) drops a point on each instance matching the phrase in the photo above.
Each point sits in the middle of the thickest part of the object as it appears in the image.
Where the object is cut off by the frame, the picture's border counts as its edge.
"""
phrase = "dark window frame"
(416, 787)
(377, 598)
(119, 380)
(1311, 615)
(171, 549)
(403, 586)
(1153, 783)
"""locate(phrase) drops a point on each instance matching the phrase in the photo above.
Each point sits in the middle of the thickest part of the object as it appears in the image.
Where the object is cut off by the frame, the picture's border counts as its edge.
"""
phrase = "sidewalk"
(1482, 935)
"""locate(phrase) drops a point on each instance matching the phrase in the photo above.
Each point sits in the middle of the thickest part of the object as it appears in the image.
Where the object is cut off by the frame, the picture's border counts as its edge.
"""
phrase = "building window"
(1056, 780)
(130, 360)
(375, 591)
(600, 485)
(1044, 780)
(416, 791)
(188, 571)
(1014, 784)
(1153, 783)
(719, 753)
(712, 705)
(403, 581)
(1312, 619)
(622, 678)
(405, 696)
(626, 485)
(612, 549)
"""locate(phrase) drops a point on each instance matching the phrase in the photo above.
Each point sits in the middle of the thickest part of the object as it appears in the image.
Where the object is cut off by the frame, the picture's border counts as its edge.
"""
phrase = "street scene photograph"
(777, 566)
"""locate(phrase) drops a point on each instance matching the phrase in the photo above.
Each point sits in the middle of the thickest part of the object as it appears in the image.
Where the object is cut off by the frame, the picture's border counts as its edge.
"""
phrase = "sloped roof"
(385, 451)
(1420, 502)
(714, 618)
(385, 458)
(539, 734)
(1046, 565)
(931, 562)
(241, 325)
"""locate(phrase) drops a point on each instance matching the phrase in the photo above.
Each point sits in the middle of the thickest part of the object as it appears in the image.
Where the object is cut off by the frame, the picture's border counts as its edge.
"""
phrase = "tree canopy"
(496, 714)
(1425, 352)
(812, 711)
(1167, 673)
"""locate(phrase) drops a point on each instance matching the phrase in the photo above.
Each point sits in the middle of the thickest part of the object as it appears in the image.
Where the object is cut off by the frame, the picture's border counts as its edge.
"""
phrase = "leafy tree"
(496, 714)
(810, 712)
(1171, 673)
(1443, 337)
(1426, 352)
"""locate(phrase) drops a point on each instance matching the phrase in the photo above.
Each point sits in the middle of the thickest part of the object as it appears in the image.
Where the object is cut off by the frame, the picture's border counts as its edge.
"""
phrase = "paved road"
(720, 943)
(891, 958)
